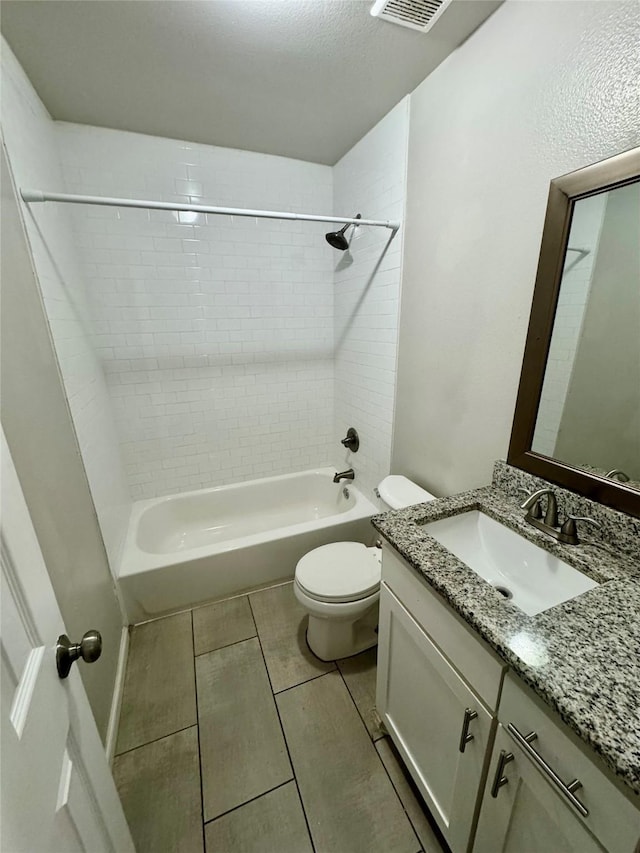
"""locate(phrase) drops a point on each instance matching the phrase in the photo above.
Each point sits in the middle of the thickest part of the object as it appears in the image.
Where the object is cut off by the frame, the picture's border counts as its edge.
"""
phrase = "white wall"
(371, 180)
(539, 90)
(29, 137)
(215, 333)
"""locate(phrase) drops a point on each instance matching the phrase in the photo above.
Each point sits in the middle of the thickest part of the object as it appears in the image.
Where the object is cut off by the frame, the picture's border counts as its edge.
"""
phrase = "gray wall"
(37, 423)
(600, 423)
(539, 90)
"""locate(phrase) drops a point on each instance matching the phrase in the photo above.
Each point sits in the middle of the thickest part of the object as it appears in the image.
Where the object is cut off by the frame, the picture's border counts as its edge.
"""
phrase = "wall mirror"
(577, 417)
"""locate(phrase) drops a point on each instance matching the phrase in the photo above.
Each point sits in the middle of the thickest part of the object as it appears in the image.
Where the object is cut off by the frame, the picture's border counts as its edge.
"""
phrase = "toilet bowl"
(339, 584)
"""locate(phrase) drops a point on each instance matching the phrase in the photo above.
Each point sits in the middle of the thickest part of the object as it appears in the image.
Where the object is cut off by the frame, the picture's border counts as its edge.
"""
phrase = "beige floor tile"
(282, 624)
(359, 672)
(349, 801)
(242, 748)
(159, 695)
(274, 823)
(410, 799)
(159, 785)
(222, 624)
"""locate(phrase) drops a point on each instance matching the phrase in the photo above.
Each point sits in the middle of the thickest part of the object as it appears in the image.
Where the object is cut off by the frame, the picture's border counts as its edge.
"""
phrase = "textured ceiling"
(299, 78)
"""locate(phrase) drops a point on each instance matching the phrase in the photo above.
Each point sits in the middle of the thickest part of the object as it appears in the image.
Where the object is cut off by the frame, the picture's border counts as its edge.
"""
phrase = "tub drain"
(506, 593)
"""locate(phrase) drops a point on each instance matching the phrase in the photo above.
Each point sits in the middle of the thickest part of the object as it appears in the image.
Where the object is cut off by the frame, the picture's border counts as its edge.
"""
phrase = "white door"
(58, 794)
(525, 813)
(441, 728)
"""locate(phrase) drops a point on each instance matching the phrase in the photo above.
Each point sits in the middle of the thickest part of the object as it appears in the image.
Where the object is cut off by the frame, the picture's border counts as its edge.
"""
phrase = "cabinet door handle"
(500, 779)
(567, 790)
(465, 737)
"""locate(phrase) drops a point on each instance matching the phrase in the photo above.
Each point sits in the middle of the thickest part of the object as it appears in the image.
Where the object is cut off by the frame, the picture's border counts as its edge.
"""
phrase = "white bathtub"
(199, 546)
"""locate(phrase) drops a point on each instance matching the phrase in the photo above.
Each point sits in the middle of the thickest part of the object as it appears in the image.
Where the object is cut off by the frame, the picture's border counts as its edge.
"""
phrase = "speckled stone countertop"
(581, 657)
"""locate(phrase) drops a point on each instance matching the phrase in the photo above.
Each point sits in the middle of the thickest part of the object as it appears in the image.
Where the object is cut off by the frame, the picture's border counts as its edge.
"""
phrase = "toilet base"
(331, 639)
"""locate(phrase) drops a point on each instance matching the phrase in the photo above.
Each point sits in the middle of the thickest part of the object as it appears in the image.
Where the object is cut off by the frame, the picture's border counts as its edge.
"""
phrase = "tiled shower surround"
(223, 342)
(215, 332)
(198, 351)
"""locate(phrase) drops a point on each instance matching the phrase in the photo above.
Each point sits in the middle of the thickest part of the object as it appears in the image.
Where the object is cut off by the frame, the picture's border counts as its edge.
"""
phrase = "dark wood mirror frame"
(563, 193)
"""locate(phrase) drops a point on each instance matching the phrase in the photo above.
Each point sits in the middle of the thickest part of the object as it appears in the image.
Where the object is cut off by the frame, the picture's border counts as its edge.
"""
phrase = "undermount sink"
(531, 577)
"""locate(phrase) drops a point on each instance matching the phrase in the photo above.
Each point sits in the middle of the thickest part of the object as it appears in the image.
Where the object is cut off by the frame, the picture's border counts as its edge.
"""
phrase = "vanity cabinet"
(444, 696)
(441, 726)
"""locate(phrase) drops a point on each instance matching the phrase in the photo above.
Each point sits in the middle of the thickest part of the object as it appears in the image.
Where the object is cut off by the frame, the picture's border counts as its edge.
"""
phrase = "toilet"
(339, 584)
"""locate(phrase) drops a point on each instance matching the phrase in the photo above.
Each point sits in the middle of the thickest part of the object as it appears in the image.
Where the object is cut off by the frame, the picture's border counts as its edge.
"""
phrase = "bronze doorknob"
(89, 649)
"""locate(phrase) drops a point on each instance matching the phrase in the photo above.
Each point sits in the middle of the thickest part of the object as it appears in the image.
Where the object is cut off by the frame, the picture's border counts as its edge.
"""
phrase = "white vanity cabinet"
(441, 693)
(439, 723)
(544, 793)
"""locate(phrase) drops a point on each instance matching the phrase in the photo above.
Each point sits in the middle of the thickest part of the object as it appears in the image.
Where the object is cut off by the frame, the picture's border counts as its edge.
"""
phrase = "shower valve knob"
(352, 442)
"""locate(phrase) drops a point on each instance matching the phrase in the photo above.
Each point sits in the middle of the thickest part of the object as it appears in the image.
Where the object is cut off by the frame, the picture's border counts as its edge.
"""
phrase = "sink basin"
(532, 578)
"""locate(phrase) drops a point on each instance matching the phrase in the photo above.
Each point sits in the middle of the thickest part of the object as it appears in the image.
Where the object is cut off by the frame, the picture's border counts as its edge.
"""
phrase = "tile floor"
(234, 738)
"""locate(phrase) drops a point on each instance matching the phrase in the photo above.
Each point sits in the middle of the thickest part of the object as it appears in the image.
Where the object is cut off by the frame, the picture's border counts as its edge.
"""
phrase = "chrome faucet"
(567, 532)
(344, 475)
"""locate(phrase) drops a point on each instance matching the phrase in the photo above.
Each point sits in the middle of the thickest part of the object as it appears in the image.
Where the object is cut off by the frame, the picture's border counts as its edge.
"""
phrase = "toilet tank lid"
(398, 492)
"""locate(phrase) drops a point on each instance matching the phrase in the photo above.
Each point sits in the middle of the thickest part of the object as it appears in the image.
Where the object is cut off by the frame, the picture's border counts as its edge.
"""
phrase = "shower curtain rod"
(36, 196)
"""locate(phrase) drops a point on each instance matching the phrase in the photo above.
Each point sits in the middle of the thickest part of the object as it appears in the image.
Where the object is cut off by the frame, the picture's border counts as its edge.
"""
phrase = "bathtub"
(204, 545)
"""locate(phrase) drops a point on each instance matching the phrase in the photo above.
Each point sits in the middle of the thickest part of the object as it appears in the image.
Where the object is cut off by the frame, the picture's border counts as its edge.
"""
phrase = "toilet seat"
(340, 572)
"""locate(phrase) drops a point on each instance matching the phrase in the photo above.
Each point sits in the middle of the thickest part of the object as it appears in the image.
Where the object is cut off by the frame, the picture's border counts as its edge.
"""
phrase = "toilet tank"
(398, 492)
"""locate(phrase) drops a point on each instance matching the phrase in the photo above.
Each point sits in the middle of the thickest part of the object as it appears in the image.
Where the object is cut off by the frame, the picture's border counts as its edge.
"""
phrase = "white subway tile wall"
(371, 180)
(201, 350)
(29, 137)
(215, 332)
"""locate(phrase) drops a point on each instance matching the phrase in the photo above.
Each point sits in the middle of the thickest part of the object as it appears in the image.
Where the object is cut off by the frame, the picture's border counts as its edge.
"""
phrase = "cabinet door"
(425, 704)
(526, 813)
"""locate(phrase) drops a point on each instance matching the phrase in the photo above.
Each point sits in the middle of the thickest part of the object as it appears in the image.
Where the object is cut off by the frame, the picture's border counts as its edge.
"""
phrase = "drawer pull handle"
(567, 789)
(500, 779)
(465, 737)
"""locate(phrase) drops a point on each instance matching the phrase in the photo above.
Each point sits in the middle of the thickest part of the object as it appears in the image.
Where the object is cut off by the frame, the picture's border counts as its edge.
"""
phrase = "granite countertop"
(581, 657)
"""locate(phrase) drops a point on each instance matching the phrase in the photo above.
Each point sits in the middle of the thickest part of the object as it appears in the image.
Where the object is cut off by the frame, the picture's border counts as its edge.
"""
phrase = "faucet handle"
(570, 530)
(352, 441)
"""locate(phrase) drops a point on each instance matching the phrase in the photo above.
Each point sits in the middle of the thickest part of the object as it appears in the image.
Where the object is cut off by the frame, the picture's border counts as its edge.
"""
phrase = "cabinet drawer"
(480, 665)
(612, 817)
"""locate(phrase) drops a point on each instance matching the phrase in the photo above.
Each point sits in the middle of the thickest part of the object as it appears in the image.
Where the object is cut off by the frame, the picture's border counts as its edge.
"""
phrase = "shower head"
(337, 238)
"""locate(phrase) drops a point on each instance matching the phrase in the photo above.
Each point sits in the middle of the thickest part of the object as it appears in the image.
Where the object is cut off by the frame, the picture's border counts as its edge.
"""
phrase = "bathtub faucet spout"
(344, 475)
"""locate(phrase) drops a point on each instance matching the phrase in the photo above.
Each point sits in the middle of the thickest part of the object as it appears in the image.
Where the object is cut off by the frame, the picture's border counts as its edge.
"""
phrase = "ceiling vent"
(416, 14)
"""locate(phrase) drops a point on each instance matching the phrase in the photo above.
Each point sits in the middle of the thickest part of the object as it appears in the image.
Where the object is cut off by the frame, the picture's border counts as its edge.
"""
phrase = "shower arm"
(37, 196)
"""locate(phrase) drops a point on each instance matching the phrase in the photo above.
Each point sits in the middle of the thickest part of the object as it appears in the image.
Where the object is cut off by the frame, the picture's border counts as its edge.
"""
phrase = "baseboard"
(116, 702)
